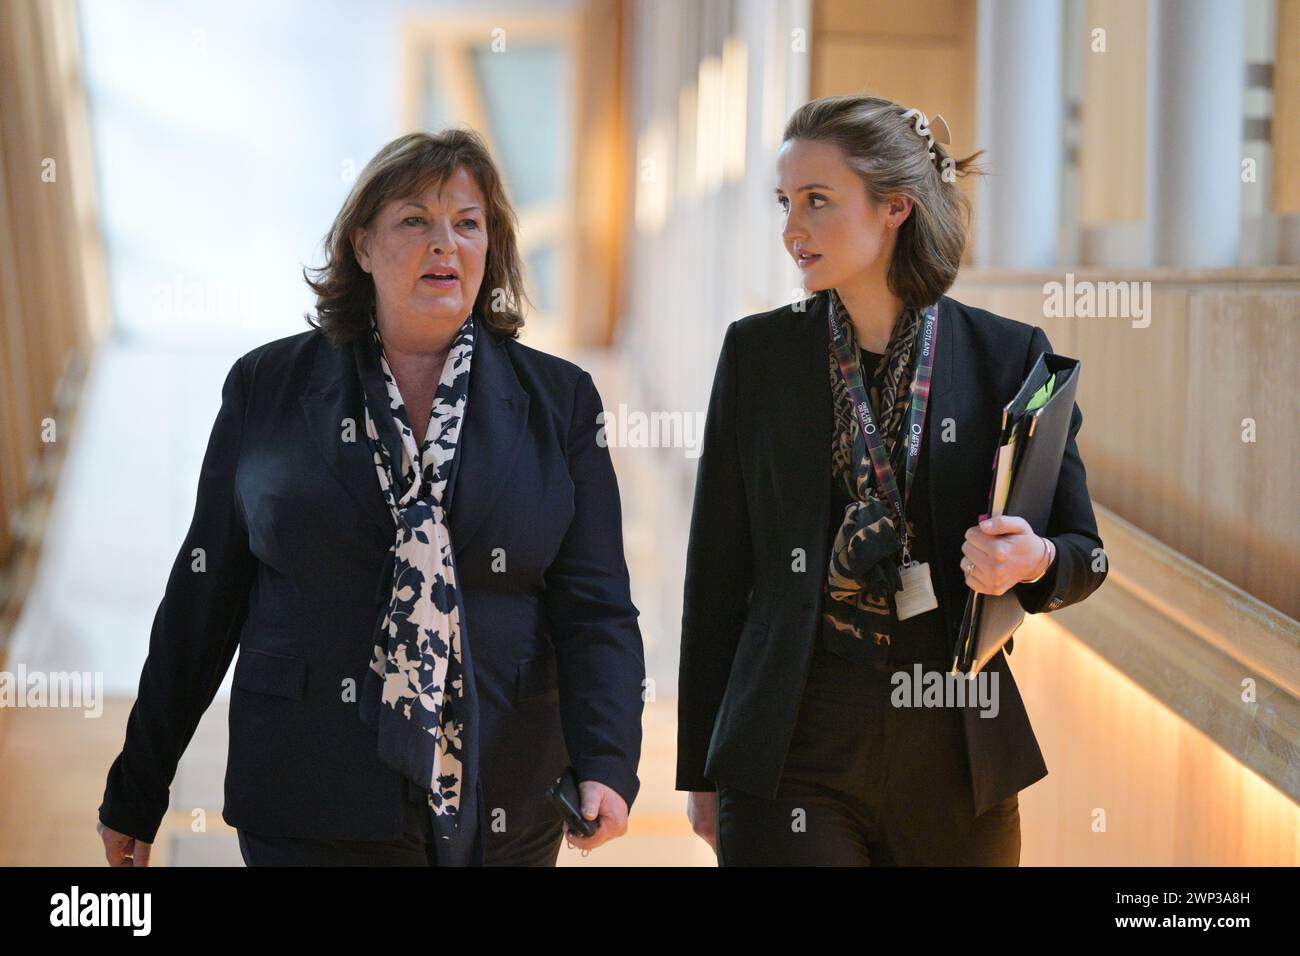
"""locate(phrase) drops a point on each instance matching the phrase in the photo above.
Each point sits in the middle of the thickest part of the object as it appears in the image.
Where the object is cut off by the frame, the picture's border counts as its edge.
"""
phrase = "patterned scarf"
(415, 691)
(862, 576)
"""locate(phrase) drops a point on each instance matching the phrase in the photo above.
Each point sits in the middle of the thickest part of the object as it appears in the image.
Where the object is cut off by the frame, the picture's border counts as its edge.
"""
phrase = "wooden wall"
(920, 54)
(1131, 781)
(1164, 406)
(1167, 703)
(53, 302)
(1113, 116)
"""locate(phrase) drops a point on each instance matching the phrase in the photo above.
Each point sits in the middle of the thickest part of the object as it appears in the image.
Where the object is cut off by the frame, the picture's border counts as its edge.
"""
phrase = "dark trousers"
(536, 845)
(868, 784)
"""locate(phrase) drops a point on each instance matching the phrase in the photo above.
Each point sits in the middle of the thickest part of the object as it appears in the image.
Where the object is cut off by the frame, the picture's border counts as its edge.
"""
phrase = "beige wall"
(1167, 704)
(1131, 781)
(921, 54)
(1113, 120)
(1164, 408)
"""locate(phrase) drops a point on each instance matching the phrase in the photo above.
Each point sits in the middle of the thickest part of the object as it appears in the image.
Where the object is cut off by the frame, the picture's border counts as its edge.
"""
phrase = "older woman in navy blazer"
(295, 534)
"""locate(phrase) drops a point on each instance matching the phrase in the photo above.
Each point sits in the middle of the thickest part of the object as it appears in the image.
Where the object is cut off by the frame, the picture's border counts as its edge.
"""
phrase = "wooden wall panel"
(1113, 133)
(920, 54)
(1163, 407)
(1130, 782)
(51, 268)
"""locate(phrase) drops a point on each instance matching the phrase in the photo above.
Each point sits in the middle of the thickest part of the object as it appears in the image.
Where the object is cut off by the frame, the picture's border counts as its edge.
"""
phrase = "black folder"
(989, 620)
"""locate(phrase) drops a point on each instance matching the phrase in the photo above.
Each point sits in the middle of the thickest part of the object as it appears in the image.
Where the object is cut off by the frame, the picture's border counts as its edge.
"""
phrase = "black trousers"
(868, 784)
(537, 845)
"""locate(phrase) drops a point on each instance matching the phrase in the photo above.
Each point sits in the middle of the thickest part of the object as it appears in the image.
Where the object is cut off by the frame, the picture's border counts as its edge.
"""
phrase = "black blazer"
(763, 490)
(295, 535)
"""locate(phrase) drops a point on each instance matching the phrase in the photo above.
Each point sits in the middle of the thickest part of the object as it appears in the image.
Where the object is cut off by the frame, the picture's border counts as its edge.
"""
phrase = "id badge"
(917, 595)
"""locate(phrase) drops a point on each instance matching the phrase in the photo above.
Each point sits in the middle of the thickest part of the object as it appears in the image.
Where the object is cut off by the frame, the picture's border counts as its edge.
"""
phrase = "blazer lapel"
(804, 411)
(942, 454)
(496, 416)
(947, 467)
(331, 400)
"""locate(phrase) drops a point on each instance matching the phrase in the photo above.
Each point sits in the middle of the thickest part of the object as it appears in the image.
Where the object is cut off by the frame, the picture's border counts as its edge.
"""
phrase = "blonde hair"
(403, 169)
(882, 146)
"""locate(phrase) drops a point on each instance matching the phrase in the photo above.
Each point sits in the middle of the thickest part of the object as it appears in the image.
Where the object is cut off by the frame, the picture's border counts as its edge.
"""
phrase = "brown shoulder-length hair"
(403, 169)
(883, 147)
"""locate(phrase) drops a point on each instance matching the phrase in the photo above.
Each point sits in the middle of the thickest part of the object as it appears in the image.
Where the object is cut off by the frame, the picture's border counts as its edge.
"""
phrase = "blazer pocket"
(537, 677)
(264, 672)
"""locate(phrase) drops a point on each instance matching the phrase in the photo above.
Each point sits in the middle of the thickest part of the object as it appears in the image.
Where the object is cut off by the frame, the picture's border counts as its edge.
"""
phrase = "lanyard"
(851, 369)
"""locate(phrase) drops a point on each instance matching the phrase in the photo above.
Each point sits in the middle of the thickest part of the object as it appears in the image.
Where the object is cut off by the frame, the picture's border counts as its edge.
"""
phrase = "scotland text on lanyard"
(851, 369)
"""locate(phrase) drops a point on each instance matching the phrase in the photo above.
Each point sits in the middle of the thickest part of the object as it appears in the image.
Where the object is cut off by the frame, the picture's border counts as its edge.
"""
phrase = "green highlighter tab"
(1042, 395)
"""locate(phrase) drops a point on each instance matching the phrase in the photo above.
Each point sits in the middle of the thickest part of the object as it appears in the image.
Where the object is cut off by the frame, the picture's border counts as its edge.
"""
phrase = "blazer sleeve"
(195, 632)
(1080, 565)
(593, 622)
(719, 577)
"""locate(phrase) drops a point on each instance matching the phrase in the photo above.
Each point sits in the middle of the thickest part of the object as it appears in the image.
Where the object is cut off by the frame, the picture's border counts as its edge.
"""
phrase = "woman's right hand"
(702, 811)
(123, 850)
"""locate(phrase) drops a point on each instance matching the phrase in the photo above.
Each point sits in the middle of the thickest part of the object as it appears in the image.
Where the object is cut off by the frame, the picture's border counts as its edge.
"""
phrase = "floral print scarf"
(416, 693)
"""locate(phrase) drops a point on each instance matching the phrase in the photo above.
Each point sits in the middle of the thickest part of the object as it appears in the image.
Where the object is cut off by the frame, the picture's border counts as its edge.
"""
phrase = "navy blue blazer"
(751, 613)
(294, 535)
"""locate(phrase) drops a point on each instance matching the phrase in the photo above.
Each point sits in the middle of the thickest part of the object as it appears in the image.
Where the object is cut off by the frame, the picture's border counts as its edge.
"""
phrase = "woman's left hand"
(598, 801)
(1000, 553)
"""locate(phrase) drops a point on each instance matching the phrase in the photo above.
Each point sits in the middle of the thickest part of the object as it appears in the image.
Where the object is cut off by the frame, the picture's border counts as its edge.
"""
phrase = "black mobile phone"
(564, 797)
